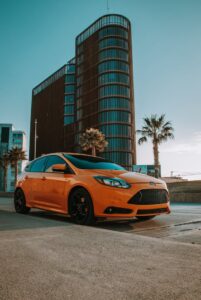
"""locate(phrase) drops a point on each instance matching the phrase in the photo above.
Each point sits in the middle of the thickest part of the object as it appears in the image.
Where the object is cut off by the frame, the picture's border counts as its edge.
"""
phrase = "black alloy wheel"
(81, 208)
(20, 202)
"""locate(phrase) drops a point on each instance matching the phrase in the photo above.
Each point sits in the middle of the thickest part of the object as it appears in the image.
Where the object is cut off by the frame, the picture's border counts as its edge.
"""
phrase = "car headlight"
(114, 182)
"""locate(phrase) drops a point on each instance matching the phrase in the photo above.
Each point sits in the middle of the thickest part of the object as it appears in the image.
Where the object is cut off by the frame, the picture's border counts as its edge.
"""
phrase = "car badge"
(152, 183)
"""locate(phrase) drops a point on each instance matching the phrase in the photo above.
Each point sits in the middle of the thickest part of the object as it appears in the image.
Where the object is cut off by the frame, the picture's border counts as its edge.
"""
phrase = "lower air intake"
(152, 211)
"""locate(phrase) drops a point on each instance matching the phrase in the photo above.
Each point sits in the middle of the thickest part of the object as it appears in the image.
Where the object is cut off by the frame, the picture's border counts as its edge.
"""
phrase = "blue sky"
(37, 37)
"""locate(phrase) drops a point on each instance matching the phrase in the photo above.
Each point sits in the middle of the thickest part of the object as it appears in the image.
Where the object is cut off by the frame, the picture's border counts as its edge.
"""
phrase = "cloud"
(193, 146)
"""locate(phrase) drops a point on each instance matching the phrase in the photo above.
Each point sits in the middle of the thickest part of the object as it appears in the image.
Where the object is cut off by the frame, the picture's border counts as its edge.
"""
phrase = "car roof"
(68, 153)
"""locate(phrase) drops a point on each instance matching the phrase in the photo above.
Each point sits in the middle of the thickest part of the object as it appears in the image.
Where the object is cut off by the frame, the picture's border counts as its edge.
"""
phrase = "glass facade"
(113, 77)
(113, 42)
(69, 90)
(114, 89)
(116, 130)
(112, 116)
(105, 21)
(68, 120)
(118, 143)
(113, 53)
(113, 30)
(113, 65)
(112, 103)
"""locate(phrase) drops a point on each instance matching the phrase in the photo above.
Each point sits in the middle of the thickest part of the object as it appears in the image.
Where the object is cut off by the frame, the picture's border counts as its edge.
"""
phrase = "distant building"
(146, 169)
(174, 179)
(94, 89)
(10, 138)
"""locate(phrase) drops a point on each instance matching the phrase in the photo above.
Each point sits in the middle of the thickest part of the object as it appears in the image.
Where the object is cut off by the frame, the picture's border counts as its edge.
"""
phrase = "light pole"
(35, 137)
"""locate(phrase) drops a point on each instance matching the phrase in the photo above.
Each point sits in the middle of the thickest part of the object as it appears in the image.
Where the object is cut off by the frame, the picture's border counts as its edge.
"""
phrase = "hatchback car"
(87, 188)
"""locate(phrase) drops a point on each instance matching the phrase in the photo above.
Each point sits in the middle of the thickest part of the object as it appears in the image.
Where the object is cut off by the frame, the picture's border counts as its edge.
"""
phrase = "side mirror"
(59, 168)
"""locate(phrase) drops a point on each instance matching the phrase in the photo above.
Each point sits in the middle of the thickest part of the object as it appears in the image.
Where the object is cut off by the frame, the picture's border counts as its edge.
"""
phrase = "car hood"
(130, 177)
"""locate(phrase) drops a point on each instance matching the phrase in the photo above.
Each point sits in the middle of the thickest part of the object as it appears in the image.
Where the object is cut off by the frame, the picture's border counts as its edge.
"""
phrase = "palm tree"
(4, 163)
(158, 130)
(16, 154)
(93, 139)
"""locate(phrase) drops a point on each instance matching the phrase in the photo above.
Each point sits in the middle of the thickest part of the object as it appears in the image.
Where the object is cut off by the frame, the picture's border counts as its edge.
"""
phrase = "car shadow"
(10, 220)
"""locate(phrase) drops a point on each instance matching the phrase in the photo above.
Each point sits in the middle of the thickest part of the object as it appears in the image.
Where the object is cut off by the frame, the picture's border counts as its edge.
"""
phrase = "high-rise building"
(94, 89)
(10, 138)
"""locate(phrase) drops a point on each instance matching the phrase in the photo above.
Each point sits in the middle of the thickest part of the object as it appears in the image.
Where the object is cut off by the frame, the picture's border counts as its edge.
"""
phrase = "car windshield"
(89, 162)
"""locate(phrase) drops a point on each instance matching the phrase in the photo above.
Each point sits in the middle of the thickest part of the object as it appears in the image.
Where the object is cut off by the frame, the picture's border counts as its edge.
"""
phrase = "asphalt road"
(45, 256)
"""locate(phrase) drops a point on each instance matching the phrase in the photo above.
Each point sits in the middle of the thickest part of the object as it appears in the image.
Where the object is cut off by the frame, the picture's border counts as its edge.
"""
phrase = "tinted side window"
(28, 167)
(38, 165)
(53, 160)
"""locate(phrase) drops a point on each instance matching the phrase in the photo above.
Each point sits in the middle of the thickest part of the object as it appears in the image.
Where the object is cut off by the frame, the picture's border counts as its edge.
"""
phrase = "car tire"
(80, 207)
(20, 202)
(144, 218)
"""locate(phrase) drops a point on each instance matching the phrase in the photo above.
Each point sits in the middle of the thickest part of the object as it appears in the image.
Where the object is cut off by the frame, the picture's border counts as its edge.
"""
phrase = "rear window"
(89, 162)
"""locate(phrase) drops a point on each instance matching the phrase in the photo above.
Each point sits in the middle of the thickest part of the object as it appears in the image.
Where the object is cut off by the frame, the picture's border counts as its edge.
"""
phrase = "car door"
(55, 185)
(35, 179)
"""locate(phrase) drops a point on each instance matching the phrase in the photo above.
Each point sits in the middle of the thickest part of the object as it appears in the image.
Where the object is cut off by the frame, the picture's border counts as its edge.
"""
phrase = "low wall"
(184, 192)
(6, 194)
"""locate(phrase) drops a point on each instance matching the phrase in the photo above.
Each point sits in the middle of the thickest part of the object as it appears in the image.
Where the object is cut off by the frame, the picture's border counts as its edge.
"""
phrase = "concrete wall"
(184, 192)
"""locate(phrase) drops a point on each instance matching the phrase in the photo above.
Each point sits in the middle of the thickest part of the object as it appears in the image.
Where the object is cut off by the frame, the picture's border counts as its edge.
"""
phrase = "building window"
(119, 143)
(69, 109)
(68, 120)
(113, 89)
(70, 68)
(69, 89)
(112, 103)
(113, 42)
(70, 78)
(5, 134)
(113, 30)
(113, 65)
(113, 77)
(115, 116)
(106, 20)
(69, 99)
(113, 53)
(116, 129)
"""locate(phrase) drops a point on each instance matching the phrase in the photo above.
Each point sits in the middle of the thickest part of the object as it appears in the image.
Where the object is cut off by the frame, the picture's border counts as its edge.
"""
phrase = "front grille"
(147, 197)
(152, 211)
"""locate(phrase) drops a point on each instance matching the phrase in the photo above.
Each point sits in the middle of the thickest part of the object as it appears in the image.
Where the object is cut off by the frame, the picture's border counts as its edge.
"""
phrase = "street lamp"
(35, 137)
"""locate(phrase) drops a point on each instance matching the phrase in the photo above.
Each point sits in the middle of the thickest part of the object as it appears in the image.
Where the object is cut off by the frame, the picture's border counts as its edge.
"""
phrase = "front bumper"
(115, 202)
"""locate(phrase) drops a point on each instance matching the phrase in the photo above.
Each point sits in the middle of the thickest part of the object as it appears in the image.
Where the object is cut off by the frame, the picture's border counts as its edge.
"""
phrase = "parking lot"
(45, 256)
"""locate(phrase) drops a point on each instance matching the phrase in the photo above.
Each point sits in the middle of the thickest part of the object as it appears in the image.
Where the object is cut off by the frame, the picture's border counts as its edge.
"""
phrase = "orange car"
(88, 187)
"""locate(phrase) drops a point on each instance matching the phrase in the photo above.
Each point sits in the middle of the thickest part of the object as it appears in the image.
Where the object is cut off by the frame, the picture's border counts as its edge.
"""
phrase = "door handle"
(43, 178)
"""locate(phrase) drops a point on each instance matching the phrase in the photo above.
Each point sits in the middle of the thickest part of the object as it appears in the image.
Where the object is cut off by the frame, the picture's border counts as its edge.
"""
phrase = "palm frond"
(142, 140)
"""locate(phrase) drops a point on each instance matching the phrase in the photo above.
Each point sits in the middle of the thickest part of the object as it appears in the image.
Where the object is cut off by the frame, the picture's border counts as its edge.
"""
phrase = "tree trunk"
(5, 178)
(16, 171)
(156, 159)
(93, 151)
